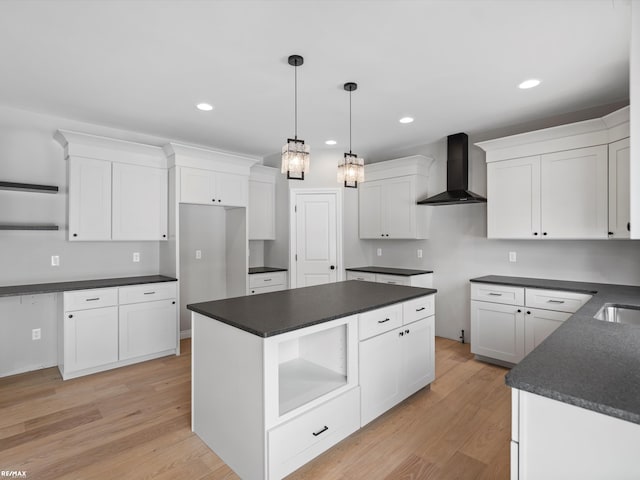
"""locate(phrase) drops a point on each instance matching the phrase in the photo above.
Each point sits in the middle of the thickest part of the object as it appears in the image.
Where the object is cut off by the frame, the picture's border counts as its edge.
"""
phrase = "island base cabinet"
(395, 365)
(147, 328)
(298, 441)
(90, 338)
(556, 440)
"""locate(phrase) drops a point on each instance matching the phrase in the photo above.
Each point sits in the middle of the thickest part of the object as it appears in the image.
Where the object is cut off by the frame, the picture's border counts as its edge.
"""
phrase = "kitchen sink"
(619, 314)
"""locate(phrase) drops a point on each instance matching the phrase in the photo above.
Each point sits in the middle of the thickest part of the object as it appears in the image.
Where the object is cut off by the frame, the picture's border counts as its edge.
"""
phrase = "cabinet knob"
(382, 234)
(387, 235)
(528, 312)
(519, 311)
(75, 234)
(401, 334)
(219, 200)
(213, 199)
(173, 303)
(544, 233)
(70, 316)
(535, 233)
(609, 233)
(164, 236)
(407, 332)
(332, 267)
(253, 291)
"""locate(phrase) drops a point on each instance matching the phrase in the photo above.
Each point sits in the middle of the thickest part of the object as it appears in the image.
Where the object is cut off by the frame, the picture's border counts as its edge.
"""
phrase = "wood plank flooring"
(134, 423)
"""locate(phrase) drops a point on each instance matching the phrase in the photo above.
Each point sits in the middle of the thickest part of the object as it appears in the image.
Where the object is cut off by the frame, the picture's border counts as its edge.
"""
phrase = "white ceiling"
(453, 65)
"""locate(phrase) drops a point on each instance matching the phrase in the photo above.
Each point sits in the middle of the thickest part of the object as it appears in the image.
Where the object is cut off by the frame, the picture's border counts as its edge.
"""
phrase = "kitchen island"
(279, 378)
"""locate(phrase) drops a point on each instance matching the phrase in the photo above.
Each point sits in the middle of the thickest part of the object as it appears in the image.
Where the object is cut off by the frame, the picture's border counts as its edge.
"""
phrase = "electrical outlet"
(136, 257)
(36, 334)
(55, 260)
(379, 252)
(512, 257)
(419, 253)
(198, 254)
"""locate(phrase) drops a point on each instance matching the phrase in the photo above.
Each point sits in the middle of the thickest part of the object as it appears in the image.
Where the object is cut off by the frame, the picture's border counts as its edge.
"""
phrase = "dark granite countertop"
(37, 288)
(253, 270)
(274, 313)
(406, 272)
(586, 362)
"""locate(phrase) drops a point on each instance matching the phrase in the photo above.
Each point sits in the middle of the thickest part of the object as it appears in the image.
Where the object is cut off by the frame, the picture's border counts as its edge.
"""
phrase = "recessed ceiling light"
(205, 107)
(532, 82)
(330, 142)
(406, 120)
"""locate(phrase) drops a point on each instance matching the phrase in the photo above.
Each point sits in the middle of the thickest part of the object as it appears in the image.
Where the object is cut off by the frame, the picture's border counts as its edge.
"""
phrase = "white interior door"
(315, 238)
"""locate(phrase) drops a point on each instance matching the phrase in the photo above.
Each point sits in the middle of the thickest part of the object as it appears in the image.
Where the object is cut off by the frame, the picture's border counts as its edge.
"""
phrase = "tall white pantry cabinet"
(566, 182)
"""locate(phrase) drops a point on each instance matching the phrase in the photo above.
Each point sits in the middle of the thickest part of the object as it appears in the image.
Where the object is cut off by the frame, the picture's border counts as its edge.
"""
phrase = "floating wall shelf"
(11, 226)
(28, 187)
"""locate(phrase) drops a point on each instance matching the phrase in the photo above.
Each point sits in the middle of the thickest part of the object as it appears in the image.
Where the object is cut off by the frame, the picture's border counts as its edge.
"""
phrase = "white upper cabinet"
(566, 182)
(387, 199)
(574, 193)
(89, 199)
(117, 189)
(514, 189)
(262, 203)
(139, 203)
(206, 187)
(619, 189)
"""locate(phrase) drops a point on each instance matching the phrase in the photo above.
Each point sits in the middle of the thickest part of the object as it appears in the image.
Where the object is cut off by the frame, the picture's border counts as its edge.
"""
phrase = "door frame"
(294, 193)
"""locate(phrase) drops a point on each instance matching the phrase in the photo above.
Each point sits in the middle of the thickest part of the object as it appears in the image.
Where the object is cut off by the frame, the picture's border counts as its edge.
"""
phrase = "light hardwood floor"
(134, 423)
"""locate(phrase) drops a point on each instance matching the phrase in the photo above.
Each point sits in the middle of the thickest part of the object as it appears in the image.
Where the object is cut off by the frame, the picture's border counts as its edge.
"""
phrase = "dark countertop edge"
(609, 411)
(405, 272)
(255, 270)
(525, 282)
(56, 287)
(194, 308)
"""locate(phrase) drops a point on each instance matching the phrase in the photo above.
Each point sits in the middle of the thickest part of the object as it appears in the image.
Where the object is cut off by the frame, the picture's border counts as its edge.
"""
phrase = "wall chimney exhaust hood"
(457, 175)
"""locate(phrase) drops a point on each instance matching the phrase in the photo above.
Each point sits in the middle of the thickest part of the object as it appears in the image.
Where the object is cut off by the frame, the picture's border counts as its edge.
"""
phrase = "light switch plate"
(379, 252)
(512, 257)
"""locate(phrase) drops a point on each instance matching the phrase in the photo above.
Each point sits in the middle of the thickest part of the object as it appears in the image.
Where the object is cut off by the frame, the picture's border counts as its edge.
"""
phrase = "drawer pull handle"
(321, 431)
(92, 299)
(392, 283)
(384, 321)
(555, 301)
(149, 293)
(493, 294)
(420, 309)
(267, 279)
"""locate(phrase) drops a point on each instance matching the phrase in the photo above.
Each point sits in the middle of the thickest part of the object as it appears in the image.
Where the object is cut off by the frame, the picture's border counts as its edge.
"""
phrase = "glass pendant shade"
(351, 170)
(295, 159)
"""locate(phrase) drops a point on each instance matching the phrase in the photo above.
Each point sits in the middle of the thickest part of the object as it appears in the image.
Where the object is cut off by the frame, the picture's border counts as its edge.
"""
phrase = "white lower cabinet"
(267, 282)
(298, 441)
(106, 328)
(424, 280)
(147, 328)
(90, 338)
(556, 440)
(508, 322)
(395, 361)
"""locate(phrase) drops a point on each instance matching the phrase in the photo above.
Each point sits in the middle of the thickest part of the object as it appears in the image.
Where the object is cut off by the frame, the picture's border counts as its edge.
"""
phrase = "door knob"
(332, 267)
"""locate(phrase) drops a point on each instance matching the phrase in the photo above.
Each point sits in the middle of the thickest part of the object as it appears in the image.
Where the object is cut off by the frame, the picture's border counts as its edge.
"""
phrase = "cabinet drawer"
(147, 292)
(555, 300)
(497, 293)
(379, 321)
(296, 442)
(84, 299)
(363, 276)
(393, 279)
(265, 289)
(265, 279)
(419, 308)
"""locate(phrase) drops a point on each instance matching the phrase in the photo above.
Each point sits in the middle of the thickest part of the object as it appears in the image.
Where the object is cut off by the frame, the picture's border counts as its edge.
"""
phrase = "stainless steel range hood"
(457, 175)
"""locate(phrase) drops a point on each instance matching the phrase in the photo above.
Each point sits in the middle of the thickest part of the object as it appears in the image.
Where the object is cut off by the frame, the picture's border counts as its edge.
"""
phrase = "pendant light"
(295, 154)
(351, 168)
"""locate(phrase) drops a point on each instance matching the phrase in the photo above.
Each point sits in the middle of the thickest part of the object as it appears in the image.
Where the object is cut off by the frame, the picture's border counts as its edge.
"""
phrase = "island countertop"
(274, 313)
(586, 362)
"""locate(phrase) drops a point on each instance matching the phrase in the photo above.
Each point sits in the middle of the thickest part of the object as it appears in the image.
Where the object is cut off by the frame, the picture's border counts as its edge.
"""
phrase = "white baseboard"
(185, 334)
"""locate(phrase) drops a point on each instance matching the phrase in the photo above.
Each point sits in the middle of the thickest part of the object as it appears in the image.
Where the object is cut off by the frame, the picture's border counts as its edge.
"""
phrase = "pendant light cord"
(349, 122)
(295, 81)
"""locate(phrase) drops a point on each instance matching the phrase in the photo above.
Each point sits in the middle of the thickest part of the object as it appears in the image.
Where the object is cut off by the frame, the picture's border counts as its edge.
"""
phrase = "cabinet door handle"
(321, 431)
(420, 309)
(401, 334)
(384, 321)
(149, 293)
(628, 226)
(92, 299)
(555, 301)
(495, 294)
